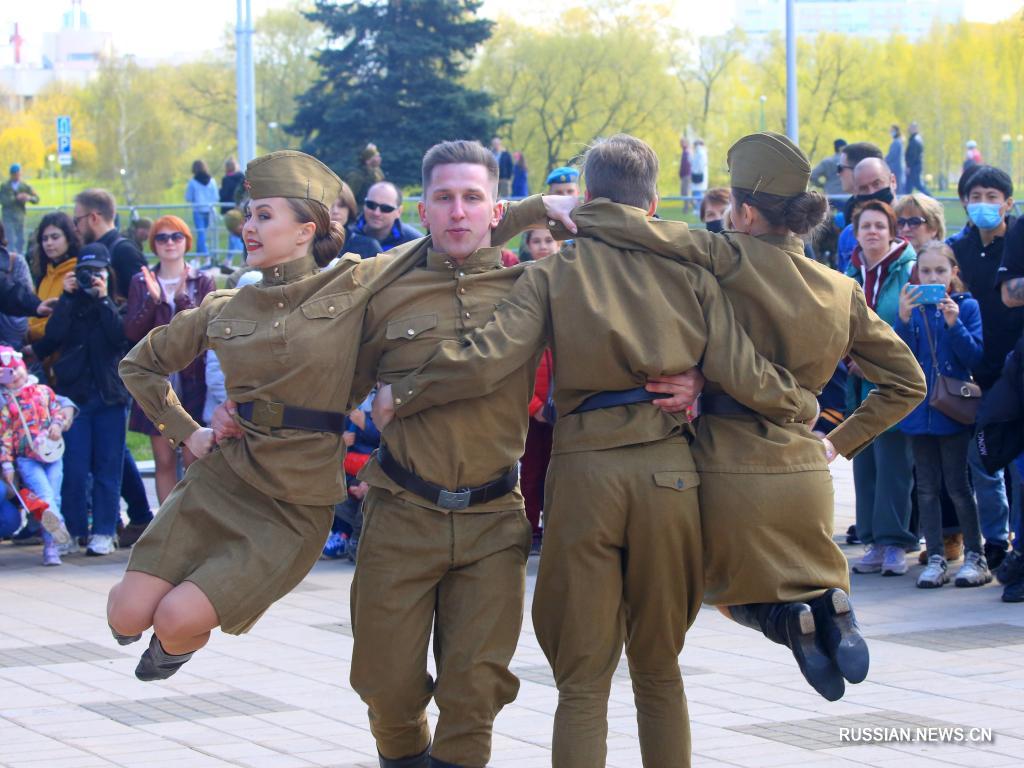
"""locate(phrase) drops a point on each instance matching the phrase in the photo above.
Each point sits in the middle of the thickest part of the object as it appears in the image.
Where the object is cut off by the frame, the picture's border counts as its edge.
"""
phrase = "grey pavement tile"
(820, 733)
(198, 707)
(343, 627)
(967, 638)
(119, 557)
(63, 653)
(309, 586)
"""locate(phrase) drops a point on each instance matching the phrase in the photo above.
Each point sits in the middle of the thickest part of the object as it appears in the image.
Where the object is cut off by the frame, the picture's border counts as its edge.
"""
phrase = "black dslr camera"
(85, 274)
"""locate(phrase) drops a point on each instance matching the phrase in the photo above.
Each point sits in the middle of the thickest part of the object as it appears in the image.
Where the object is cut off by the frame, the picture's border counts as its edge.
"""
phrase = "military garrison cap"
(563, 175)
(768, 162)
(288, 173)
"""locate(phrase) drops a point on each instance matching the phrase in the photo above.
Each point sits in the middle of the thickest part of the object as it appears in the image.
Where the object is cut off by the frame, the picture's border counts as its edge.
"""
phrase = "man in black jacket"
(95, 210)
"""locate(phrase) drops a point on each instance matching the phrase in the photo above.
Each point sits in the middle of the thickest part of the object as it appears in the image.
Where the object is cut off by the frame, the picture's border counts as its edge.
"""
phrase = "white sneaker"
(70, 548)
(54, 524)
(935, 573)
(871, 562)
(100, 545)
(894, 561)
(974, 572)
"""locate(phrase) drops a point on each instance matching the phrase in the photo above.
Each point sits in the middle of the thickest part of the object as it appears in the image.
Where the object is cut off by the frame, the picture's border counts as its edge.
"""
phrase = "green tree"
(393, 77)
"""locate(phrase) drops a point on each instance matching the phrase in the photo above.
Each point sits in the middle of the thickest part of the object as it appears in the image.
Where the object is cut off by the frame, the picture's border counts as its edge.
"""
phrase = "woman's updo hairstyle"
(798, 213)
(329, 240)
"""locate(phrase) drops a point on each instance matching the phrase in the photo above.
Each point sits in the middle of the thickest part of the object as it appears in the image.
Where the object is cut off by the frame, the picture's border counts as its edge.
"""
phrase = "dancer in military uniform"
(766, 493)
(250, 518)
(622, 553)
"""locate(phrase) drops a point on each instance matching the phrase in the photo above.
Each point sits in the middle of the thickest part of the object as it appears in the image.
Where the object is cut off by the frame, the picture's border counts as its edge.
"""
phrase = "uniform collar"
(789, 243)
(481, 260)
(290, 271)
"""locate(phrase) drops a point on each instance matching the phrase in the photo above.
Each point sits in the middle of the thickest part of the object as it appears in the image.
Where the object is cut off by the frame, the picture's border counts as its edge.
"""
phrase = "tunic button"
(276, 324)
(280, 305)
(161, 427)
(398, 401)
(227, 331)
(462, 274)
(467, 315)
(462, 290)
(680, 483)
(330, 309)
(411, 332)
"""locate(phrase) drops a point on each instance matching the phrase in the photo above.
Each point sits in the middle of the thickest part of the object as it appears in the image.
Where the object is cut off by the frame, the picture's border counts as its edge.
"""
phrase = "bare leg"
(166, 467)
(184, 619)
(132, 602)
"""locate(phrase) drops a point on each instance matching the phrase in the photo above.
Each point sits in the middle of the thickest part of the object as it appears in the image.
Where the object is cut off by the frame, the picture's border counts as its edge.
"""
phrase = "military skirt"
(768, 537)
(243, 549)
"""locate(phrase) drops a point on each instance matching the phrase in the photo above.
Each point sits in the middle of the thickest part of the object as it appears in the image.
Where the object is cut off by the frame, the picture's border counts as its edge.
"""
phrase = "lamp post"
(763, 100)
(792, 118)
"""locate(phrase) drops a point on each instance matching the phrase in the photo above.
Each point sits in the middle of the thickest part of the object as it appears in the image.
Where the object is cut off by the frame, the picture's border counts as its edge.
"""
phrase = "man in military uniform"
(622, 559)
(14, 195)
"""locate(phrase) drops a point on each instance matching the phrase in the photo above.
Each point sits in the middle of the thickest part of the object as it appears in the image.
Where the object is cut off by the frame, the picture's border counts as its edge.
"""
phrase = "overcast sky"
(152, 29)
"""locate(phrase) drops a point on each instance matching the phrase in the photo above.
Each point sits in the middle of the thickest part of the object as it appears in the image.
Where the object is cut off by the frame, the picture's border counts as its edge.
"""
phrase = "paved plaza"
(279, 697)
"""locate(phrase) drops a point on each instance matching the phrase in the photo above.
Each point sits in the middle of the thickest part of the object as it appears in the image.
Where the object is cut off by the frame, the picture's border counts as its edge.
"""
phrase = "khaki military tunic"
(249, 520)
(621, 479)
(765, 480)
(422, 567)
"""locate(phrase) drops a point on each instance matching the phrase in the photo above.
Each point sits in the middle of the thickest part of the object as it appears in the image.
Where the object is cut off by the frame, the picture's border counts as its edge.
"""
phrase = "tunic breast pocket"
(229, 333)
(327, 332)
(411, 340)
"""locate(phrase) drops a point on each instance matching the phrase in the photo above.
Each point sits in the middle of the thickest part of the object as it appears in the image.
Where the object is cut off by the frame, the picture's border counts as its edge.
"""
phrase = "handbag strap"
(14, 401)
(931, 341)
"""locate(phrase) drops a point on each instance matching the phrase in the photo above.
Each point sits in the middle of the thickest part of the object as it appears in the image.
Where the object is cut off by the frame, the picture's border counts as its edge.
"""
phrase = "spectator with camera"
(95, 211)
(154, 297)
(87, 330)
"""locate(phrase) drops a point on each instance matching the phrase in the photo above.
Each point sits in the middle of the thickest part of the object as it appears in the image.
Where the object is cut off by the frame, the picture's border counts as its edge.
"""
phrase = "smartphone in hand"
(930, 293)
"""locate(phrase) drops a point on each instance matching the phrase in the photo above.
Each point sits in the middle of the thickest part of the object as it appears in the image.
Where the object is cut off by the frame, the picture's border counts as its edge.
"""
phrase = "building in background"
(73, 53)
(875, 18)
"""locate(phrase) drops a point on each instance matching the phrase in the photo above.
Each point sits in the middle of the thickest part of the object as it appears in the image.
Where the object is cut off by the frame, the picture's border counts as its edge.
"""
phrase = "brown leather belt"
(265, 413)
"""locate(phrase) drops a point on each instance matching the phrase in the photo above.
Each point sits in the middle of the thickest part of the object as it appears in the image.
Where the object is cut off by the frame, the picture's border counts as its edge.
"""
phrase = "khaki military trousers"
(461, 575)
(621, 563)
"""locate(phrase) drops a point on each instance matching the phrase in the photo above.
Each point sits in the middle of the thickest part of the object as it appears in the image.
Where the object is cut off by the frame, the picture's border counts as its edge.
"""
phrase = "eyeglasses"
(840, 168)
(8, 356)
(166, 237)
(380, 207)
(913, 222)
(77, 219)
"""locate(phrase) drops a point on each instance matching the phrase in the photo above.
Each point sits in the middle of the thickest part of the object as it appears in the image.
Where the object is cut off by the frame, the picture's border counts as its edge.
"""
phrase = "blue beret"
(15, 167)
(563, 175)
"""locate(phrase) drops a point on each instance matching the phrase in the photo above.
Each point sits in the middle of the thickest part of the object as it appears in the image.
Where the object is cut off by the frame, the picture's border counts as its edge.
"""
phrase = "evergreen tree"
(393, 78)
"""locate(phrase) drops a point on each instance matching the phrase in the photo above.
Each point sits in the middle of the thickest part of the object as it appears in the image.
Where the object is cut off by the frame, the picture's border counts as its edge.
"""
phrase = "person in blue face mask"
(987, 195)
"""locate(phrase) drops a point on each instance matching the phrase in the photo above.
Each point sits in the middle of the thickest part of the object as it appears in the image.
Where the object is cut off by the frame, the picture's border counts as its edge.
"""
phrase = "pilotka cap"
(288, 173)
(768, 162)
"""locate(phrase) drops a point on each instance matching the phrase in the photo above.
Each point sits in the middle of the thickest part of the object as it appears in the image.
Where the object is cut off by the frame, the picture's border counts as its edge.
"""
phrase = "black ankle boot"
(792, 625)
(435, 763)
(422, 760)
(158, 664)
(840, 635)
(124, 639)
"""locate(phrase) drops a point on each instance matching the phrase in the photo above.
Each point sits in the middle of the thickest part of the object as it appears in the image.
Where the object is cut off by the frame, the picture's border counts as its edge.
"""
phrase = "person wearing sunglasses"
(154, 297)
(382, 217)
(920, 219)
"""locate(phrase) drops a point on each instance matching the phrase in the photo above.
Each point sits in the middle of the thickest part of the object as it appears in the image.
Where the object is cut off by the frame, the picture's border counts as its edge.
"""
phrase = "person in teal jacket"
(883, 473)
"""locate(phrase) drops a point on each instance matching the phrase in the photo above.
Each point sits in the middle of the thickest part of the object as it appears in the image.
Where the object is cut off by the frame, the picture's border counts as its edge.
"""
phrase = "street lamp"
(763, 100)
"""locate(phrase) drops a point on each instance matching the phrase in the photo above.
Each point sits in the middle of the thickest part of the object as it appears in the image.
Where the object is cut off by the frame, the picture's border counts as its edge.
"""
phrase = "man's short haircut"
(99, 201)
(460, 151)
(987, 176)
(141, 222)
(230, 165)
(838, 144)
(861, 150)
(398, 192)
(622, 168)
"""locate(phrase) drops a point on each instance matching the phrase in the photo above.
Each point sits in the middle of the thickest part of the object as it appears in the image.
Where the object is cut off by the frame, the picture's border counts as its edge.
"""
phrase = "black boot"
(792, 625)
(840, 635)
(158, 664)
(435, 763)
(422, 760)
(124, 639)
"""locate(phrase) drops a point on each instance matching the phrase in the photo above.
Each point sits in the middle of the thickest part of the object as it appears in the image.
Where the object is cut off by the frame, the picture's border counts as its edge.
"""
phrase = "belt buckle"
(454, 499)
(267, 414)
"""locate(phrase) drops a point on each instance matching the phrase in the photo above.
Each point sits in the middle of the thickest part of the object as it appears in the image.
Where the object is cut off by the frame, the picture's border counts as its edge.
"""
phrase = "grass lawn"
(140, 446)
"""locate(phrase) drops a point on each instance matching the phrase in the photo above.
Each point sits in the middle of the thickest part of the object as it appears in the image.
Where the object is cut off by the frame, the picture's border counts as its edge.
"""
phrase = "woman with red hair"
(154, 297)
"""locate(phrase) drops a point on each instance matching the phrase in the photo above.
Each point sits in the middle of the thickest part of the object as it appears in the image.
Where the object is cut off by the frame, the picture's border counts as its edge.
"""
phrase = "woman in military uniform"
(766, 493)
(250, 517)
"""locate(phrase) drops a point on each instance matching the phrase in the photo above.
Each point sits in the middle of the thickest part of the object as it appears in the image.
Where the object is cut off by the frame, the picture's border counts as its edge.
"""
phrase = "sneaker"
(71, 548)
(54, 524)
(894, 561)
(1014, 591)
(974, 572)
(334, 549)
(99, 545)
(934, 575)
(851, 535)
(51, 554)
(1011, 569)
(871, 562)
(995, 553)
(130, 534)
